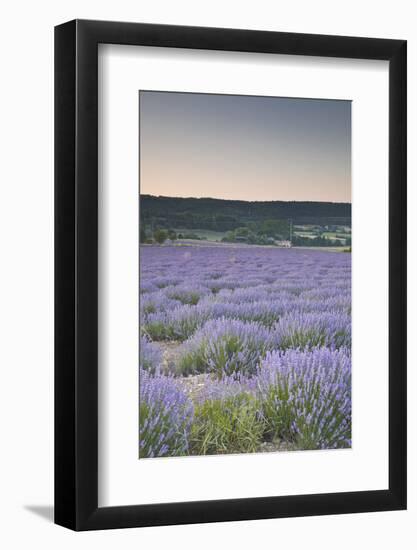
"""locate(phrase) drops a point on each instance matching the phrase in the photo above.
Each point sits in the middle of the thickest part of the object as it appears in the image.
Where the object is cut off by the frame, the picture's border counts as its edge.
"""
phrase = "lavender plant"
(188, 293)
(268, 334)
(306, 397)
(309, 330)
(165, 416)
(224, 347)
(150, 356)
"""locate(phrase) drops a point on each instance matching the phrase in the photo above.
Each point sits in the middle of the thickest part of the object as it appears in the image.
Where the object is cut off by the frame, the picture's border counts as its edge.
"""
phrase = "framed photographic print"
(230, 338)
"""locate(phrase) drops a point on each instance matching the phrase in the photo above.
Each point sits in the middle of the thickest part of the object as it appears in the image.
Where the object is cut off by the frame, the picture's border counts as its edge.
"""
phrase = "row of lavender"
(269, 333)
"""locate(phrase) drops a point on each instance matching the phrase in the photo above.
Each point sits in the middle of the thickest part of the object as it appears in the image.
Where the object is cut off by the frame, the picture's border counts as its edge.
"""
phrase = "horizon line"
(241, 200)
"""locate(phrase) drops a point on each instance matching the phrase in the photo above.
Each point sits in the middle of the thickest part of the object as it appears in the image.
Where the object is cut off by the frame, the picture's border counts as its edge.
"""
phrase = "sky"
(245, 147)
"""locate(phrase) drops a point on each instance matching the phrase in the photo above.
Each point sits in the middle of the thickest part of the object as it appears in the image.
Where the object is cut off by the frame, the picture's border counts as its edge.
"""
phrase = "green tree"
(160, 235)
(272, 228)
(252, 226)
(229, 237)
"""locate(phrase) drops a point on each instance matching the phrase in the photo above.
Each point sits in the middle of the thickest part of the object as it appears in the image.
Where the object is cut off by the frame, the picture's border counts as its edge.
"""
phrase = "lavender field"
(243, 349)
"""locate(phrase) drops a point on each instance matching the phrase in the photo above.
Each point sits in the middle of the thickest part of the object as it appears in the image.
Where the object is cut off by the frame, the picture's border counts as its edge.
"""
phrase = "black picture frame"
(76, 272)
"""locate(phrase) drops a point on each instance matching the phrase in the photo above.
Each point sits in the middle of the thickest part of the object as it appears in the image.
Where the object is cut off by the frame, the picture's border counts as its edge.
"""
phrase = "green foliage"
(258, 223)
(314, 337)
(315, 241)
(275, 228)
(228, 215)
(253, 227)
(302, 430)
(192, 236)
(232, 425)
(157, 331)
(167, 437)
(190, 297)
(212, 356)
(229, 237)
(160, 235)
(278, 411)
(179, 328)
(229, 354)
(243, 234)
(304, 339)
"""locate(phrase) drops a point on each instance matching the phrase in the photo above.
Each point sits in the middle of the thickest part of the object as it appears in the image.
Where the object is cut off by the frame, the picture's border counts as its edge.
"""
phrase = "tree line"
(230, 215)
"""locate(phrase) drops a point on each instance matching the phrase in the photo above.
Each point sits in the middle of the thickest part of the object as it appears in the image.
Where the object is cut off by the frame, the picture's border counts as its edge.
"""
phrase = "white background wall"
(26, 271)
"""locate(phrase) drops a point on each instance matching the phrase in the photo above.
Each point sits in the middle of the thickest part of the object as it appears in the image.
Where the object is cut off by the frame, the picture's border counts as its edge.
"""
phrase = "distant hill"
(225, 215)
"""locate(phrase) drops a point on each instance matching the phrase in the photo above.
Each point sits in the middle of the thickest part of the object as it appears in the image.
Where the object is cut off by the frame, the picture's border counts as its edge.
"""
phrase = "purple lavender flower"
(309, 330)
(306, 396)
(213, 388)
(150, 356)
(153, 302)
(165, 416)
(267, 323)
(225, 346)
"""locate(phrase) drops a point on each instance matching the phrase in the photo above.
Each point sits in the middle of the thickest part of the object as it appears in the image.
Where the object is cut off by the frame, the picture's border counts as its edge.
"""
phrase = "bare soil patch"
(170, 355)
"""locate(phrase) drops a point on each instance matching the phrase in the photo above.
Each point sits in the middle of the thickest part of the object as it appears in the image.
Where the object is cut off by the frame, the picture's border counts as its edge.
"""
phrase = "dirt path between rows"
(170, 355)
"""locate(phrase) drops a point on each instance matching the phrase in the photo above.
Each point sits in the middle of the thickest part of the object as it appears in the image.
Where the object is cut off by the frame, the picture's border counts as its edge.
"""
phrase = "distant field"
(303, 231)
(311, 232)
(333, 235)
(219, 244)
(203, 233)
(304, 234)
(323, 248)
